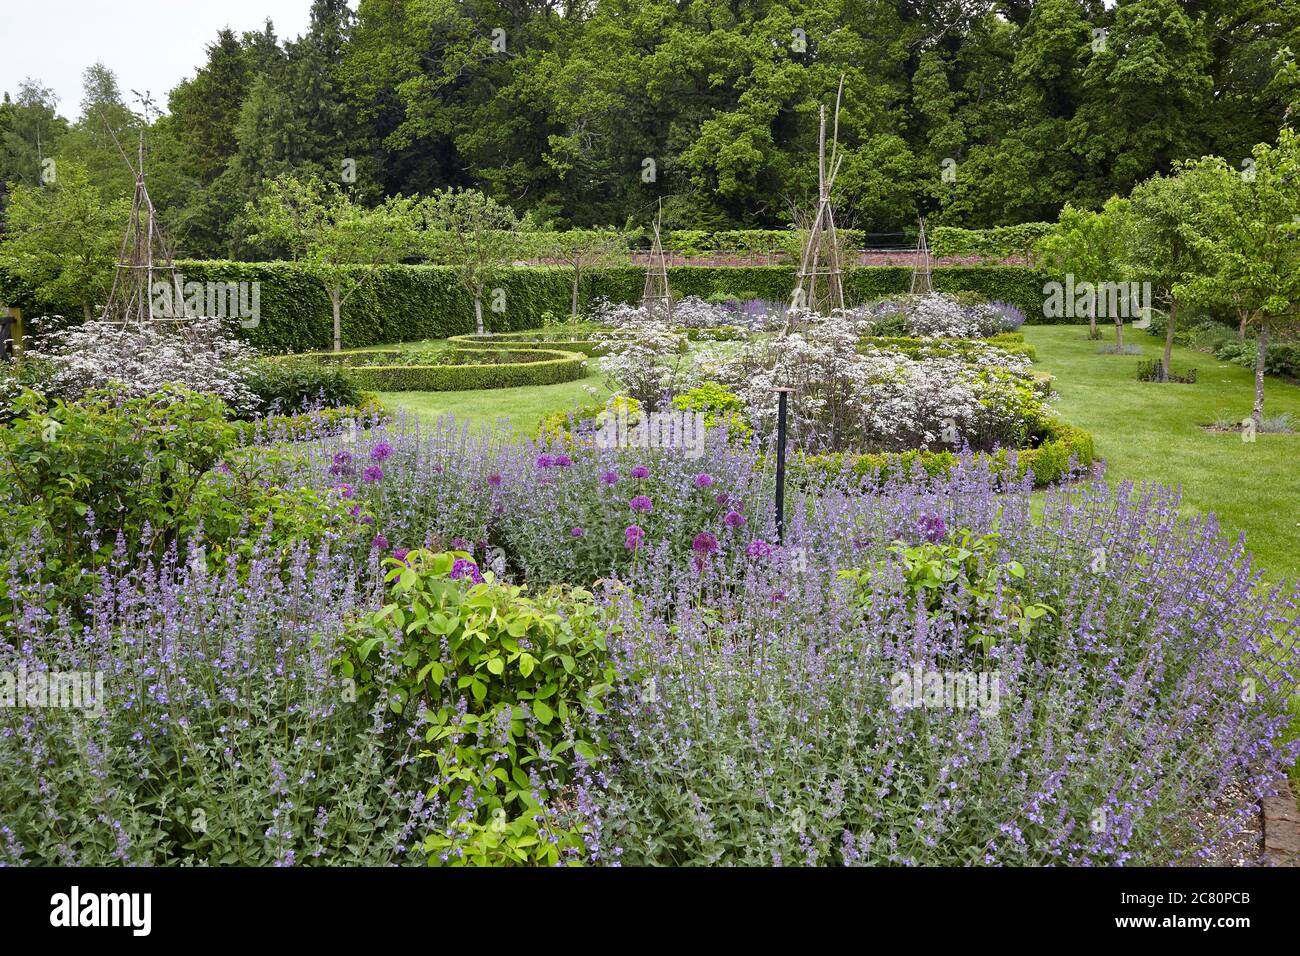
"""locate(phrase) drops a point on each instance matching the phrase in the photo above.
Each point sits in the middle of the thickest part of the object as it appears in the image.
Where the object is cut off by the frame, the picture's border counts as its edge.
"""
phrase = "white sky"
(150, 44)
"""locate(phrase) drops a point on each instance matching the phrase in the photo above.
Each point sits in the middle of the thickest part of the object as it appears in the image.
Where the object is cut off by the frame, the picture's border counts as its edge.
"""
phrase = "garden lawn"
(1148, 431)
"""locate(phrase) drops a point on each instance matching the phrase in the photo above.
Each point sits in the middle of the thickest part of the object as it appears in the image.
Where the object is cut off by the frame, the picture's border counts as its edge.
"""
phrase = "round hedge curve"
(526, 367)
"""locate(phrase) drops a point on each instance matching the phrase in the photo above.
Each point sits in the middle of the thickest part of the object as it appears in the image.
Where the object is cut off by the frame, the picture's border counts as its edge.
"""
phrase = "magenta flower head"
(367, 519)
(640, 471)
(734, 519)
(545, 461)
(703, 480)
(401, 553)
(932, 528)
(704, 543)
(343, 458)
(609, 477)
(373, 473)
(379, 543)
(355, 510)
(345, 491)
(641, 503)
(563, 461)
(464, 568)
(459, 544)
(758, 548)
(633, 537)
(576, 532)
(494, 480)
(381, 451)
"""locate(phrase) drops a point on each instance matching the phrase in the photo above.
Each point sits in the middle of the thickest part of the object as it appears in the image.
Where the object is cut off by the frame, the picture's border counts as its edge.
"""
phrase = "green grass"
(1153, 432)
(486, 407)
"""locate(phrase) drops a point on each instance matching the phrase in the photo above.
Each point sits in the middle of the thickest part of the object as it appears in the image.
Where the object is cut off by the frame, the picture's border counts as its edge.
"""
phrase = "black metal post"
(781, 394)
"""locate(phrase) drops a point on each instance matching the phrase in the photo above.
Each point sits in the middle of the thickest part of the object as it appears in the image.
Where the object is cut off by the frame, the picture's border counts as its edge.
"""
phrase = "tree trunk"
(1261, 352)
(478, 312)
(1092, 319)
(1241, 329)
(1119, 334)
(577, 272)
(336, 303)
(86, 309)
(1169, 340)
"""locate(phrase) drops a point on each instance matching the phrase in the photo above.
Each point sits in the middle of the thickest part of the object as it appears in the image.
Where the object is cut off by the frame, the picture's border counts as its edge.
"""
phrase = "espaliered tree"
(341, 241)
(583, 250)
(1249, 234)
(473, 234)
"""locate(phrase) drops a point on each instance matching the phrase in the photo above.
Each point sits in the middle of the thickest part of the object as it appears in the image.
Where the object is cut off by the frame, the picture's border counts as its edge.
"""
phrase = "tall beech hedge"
(409, 302)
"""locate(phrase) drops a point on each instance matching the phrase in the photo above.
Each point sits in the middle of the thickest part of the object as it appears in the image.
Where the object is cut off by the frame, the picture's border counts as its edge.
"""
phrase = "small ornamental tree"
(474, 234)
(583, 250)
(321, 226)
(63, 239)
(1249, 233)
(1093, 247)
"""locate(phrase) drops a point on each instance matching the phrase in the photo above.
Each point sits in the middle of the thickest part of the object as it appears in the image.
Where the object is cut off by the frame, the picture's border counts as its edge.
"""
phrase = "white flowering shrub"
(851, 399)
(645, 359)
(200, 354)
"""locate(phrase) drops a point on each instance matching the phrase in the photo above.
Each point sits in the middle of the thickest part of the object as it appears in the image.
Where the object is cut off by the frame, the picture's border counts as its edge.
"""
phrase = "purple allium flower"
(345, 491)
(640, 471)
(609, 477)
(576, 532)
(367, 519)
(932, 528)
(641, 503)
(463, 568)
(401, 553)
(494, 480)
(545, 461)
(459, 544)
(704, 543)
(379, 543)
(373, 473)
(758, 548)
(343, 458)
(633, 536)
(703, 480)
(381, 451)
(563, 461)
(355, 511)
(723, 499)
(734, 519)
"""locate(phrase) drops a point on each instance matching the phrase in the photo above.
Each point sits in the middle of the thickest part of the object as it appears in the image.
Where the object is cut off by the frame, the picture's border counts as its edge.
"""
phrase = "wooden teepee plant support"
(145, 261)
(820, 283)
(657, 299)
(921, 266)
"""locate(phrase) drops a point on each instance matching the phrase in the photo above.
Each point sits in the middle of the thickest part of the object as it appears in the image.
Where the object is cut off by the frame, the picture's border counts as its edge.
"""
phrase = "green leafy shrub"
(324, 421)
(720, 407)
(80, 474)
(999, 242)
(505, 685)
(1151, 370)
(1011, 342)
(284, 388)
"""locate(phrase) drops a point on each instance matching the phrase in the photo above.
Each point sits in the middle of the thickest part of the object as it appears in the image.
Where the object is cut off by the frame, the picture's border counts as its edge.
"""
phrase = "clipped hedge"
(1049, 460)
(525, 367)
(408, 303)
(998, 243)
(1011, 342)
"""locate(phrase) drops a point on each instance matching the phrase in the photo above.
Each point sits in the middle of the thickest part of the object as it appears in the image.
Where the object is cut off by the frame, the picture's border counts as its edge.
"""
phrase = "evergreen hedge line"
(997, 243)
(525, 367)
(1058, 443)
(406, 303)
(1012, 342)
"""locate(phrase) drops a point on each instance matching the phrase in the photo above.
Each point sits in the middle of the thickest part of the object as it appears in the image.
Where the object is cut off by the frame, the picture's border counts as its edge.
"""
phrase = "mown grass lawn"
(1153, 432)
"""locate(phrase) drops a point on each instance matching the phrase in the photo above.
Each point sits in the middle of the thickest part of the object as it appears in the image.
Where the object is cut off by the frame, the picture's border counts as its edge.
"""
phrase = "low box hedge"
(1012, 342)
(1049, 459)
(525, 367)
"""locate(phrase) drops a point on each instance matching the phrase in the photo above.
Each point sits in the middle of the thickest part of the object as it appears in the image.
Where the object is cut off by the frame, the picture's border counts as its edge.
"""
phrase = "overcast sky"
(150, 44)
